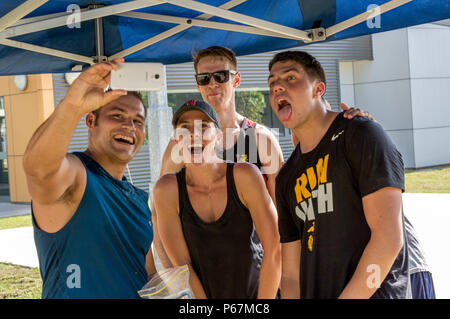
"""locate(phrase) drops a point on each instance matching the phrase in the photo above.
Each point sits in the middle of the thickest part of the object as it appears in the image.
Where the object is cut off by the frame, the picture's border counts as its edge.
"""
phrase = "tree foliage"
(250, 104)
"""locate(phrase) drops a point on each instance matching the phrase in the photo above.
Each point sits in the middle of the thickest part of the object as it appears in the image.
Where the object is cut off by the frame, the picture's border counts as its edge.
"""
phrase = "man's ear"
(90, 120)
(237, 79)
(319, 89)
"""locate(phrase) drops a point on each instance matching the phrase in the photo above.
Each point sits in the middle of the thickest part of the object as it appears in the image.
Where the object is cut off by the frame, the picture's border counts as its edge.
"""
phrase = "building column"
(159, 119)
(25, 110)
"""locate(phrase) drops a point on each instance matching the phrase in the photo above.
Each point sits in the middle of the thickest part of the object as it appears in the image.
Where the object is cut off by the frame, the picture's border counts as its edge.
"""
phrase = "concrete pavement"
(430, 216)
(12, 209)
(17, 247)
(428, 213)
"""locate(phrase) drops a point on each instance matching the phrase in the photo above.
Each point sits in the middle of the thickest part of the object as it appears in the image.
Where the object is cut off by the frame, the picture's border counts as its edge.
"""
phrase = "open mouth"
(282, 103)
(196, 149)
(124, 139)
(284, 109)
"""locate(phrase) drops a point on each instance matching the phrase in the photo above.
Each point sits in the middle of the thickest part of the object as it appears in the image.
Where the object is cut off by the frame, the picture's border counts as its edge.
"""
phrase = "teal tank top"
(100, 252)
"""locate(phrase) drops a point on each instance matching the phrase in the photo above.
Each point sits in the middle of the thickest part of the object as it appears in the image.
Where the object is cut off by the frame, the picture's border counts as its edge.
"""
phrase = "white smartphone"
(133, 76)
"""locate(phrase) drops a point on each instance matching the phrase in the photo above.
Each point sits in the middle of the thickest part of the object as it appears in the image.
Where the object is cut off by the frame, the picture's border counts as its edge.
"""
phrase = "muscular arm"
(382, 210)
(171, 232)
(48, 169)
(51, 173)
(290, 270)
(253, 193)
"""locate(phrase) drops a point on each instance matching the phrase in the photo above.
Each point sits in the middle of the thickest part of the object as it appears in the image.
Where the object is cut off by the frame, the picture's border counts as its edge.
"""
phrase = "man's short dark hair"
(309, 63)
(132, 93)
(215, 51)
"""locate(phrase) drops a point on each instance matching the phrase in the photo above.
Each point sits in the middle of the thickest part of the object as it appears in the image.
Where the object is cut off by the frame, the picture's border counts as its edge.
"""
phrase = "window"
(4, 180)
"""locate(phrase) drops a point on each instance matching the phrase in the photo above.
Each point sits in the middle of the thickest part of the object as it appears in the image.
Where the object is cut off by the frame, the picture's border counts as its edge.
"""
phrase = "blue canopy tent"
(57, 36)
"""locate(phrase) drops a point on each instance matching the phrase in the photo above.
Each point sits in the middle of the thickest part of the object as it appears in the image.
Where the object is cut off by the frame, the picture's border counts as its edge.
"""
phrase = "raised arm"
(51, 173)
(254, 195)
(170, 229)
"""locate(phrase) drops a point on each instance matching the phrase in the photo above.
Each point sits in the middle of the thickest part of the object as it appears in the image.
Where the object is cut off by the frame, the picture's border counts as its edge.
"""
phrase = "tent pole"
(234, 16)
(202, 23)
(164, 35)
(18, 13)
(363, 17)
(43, 17)
(53, 52)
(98, 33)
(59, 21)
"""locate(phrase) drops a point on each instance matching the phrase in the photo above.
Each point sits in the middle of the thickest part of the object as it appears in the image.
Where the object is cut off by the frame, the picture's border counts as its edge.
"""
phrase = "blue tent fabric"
(123, 32)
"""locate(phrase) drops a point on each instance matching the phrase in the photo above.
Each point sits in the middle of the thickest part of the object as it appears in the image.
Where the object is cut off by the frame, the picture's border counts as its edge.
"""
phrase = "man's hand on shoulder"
(351, 112)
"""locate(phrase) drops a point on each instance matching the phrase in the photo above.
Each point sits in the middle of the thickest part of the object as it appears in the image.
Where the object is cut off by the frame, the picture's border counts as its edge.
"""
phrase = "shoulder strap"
(182, 190)
(231, 186)
(249, 134)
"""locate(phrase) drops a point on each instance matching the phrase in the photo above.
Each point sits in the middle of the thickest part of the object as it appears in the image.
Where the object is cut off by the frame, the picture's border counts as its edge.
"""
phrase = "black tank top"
(247, 141)
(223, 253)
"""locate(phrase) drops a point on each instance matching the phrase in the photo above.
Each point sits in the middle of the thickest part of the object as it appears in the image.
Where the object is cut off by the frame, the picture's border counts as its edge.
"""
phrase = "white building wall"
(346, 82)
(407, 89)
(429, 51)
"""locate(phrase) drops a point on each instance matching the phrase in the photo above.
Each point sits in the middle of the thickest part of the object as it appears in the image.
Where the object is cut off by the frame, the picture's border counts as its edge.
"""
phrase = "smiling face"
(293, 93)
(214, 93)
(197, 136)
(118, 131)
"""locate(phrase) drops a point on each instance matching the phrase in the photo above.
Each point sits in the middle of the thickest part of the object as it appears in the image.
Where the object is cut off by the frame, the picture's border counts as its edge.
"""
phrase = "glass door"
(4, 181)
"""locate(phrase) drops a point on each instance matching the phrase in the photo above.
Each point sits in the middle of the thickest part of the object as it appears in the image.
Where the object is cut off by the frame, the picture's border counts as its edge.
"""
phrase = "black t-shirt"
(319, 198)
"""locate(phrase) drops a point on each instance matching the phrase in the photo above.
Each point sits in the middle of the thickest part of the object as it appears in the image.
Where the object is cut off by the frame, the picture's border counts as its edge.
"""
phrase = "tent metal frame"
(12, 24)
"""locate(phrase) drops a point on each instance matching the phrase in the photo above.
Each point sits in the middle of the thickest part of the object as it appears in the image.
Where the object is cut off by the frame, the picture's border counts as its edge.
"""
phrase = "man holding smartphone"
(92, 228)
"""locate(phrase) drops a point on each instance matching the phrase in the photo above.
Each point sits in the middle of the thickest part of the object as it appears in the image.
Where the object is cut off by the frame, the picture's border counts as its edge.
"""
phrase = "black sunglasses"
(219, 76)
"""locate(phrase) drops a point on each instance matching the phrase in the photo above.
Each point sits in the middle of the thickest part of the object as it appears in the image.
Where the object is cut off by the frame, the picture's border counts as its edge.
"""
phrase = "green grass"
(15, 222)
(17, 282)
(428, 180)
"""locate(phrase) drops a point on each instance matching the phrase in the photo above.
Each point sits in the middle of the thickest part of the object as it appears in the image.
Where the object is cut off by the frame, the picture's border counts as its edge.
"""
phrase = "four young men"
(338, 244)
